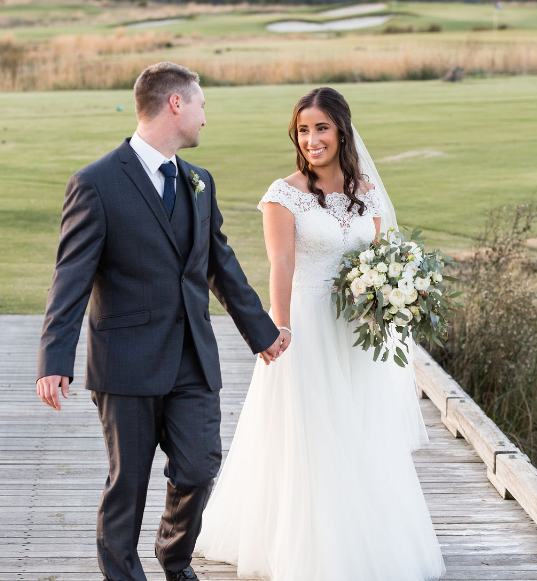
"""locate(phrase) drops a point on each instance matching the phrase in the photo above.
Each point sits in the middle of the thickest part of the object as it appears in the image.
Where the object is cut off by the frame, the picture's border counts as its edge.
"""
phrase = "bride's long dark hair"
(334, 105)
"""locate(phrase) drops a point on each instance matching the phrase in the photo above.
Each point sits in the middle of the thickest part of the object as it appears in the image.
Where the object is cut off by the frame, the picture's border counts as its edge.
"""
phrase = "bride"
(319, 483)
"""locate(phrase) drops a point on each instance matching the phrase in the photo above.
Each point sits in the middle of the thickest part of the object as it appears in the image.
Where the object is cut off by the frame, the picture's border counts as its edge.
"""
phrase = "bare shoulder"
(365, 187)
(297, 180)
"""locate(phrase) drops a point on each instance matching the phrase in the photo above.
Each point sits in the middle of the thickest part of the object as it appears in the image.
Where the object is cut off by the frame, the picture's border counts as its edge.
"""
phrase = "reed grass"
(492, 345)
(92, 61)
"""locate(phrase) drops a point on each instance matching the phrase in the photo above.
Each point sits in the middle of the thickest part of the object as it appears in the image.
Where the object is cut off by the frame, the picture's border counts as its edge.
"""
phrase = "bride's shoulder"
(374, 204)
(365, 188)
(297, 181)
(283, 191)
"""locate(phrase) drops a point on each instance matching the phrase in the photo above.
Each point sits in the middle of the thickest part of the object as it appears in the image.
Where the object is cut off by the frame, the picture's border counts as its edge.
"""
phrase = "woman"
(319, 483)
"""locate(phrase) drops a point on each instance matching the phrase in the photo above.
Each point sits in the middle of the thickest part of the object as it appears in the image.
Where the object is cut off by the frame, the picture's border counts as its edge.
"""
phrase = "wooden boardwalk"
(53, 467)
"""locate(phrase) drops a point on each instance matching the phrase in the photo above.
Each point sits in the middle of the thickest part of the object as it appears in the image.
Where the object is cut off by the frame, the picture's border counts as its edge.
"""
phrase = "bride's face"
(318, 137)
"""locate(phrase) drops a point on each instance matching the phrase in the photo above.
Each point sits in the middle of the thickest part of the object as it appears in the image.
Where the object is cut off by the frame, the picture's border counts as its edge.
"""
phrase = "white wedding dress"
(319, 483)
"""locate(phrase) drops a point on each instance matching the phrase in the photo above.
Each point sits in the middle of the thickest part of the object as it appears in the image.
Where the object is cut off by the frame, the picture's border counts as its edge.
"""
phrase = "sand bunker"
(152, 23)
(410, 154)
(353, 10)
(346, 24)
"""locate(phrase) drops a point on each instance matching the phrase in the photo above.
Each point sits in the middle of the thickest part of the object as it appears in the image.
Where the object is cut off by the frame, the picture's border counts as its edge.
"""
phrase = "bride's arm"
(279, 229)
(377, 227)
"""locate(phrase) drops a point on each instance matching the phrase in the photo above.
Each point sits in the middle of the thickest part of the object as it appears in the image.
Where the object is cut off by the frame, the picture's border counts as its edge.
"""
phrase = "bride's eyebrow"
(317, 124)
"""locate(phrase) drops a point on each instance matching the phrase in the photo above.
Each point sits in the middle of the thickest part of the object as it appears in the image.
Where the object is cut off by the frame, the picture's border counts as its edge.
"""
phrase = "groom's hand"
(47, 389)
(271, 354)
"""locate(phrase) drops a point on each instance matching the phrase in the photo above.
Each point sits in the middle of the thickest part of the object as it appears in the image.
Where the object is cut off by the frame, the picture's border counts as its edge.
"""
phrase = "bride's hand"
(285, 338)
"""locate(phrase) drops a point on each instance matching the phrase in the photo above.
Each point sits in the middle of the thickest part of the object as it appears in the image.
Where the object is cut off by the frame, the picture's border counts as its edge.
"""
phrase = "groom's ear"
(175, 102)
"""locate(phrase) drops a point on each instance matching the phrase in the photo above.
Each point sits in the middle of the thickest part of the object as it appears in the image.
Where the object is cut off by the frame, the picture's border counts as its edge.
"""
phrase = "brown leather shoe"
(184, 575)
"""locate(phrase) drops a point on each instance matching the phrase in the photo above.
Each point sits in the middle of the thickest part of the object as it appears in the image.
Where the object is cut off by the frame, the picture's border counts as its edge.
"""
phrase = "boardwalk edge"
(508, 469)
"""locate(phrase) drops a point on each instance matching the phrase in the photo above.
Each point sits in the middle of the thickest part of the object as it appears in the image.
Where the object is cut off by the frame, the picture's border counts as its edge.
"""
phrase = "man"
(141, 234)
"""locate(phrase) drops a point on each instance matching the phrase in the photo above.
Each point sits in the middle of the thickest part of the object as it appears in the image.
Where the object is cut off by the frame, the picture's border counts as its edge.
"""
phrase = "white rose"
(416, 313)
(400, 321)
(395, 269)
(380, 279)
(358, 287)
(382, 267)
(397, 298)
(369, 277)
(406, 286)
(370, 254)
(392, 310)
(363, 256)
(353, 274)
(364, 267)
(411, 298)
(411, 269)
(437, 277)
(386, 290)
(418, 258)
(422, 284)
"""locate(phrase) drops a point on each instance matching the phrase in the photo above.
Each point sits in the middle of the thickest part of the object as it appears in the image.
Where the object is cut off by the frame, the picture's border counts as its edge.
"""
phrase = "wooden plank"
(51, 479)
(520, 478)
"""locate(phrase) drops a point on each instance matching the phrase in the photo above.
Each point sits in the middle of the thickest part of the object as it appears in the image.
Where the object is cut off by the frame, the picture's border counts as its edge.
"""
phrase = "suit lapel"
(185, 173)
(134, 169)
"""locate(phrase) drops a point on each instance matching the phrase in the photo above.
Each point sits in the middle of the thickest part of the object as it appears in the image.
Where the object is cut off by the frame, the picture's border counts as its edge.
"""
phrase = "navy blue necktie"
(168, 169)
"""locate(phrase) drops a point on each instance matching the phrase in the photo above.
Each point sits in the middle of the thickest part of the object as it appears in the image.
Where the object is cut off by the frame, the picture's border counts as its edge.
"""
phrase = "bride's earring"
(342, 140)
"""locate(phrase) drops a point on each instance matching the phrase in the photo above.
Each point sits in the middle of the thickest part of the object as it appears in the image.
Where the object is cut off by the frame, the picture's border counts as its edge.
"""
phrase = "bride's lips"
(316, 152)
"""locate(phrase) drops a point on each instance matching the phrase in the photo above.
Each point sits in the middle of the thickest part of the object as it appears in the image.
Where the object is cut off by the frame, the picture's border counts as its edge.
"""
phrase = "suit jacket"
(118, 250)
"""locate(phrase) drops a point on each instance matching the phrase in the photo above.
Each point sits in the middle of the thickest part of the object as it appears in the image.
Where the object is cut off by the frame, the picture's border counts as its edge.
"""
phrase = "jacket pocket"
(127, 320)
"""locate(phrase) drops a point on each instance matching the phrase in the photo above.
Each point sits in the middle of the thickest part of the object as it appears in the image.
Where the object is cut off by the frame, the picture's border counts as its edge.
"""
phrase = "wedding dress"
(319, 483)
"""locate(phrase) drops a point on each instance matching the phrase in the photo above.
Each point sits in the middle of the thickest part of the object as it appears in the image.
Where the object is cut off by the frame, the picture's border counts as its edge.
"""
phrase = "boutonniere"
(199, 186)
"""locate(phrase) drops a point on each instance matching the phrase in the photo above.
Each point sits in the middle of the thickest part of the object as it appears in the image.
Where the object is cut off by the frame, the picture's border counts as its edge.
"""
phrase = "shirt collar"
(149, 155)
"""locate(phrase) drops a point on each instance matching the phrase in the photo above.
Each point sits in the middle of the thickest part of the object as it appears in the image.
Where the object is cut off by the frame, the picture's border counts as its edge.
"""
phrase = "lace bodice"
(323, 235)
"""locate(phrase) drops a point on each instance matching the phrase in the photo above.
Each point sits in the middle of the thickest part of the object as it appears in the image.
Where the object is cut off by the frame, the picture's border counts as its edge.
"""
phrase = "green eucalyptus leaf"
(398, 361)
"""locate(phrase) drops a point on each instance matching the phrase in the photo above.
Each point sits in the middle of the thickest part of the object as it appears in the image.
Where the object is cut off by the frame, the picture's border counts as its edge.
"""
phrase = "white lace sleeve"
(374, 203)
(281, 193)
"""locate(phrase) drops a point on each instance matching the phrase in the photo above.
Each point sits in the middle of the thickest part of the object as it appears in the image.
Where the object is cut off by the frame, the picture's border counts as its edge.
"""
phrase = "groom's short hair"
(158, 83)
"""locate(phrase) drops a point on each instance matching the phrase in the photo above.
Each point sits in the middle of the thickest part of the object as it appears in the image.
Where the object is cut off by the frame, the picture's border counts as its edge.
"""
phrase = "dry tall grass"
(89, 62)
(492, 346)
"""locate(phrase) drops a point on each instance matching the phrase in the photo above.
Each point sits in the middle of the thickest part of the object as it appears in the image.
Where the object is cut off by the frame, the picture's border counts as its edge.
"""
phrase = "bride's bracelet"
(285, 329)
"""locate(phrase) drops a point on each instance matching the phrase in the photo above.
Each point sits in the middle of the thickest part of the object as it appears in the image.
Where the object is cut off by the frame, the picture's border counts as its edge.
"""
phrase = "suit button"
(180, 319)
(183, 279)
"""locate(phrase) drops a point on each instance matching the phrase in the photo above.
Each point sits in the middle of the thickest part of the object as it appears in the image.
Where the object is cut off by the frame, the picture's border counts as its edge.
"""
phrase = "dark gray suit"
(152, 355)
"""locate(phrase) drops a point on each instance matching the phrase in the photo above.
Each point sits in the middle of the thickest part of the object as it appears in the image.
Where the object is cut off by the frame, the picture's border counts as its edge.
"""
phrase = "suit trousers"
(186, 424)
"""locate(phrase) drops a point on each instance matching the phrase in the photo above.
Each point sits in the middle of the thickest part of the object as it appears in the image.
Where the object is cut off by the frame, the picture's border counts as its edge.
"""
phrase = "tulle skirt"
(319, 483)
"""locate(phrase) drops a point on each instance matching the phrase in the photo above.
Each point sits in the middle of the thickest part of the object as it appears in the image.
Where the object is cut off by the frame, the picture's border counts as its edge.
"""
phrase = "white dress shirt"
(151, 160)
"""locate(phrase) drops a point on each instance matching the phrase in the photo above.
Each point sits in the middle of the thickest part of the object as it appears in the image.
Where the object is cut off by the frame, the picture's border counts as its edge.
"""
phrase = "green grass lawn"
(485, 130)
(48, 19)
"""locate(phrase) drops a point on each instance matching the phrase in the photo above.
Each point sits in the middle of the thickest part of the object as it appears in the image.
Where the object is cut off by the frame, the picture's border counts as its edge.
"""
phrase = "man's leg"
(191, 440)
(131, 428)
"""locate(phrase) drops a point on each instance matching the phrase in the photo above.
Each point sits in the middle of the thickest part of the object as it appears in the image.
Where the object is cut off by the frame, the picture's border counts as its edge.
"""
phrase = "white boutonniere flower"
(199, 186)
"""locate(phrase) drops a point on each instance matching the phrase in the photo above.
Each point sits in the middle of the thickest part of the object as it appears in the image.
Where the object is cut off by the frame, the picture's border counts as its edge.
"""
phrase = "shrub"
(432, 28)
(492, 346)
(395, 29)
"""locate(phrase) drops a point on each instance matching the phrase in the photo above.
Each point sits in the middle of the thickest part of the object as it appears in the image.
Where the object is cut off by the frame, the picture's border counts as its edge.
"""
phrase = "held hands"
(277, 348)
(47, 389)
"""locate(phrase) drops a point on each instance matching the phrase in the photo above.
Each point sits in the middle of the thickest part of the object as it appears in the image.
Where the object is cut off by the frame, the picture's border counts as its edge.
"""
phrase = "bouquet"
(395, 290)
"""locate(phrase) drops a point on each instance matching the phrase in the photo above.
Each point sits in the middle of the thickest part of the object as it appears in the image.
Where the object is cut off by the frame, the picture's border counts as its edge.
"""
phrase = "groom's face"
(192, 118)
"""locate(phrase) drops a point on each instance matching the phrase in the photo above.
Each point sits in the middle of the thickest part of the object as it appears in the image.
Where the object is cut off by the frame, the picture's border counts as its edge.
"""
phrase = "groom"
(141, 240)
